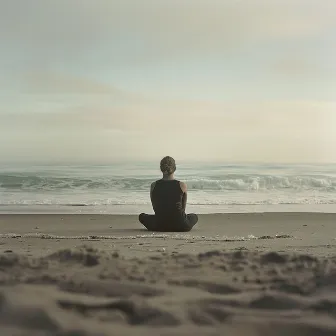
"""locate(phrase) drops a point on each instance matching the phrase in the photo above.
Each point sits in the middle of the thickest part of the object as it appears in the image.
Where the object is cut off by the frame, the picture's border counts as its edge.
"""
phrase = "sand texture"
(101, 275)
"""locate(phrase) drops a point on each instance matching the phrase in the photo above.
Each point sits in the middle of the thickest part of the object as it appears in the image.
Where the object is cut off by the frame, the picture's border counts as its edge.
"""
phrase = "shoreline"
(280, 213)
(137, 209)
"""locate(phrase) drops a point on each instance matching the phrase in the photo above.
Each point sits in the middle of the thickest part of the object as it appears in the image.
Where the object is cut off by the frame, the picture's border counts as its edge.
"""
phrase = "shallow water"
(123, 188)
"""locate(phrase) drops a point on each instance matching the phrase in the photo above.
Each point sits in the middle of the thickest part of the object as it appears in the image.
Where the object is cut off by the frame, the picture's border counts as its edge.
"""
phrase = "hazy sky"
(225, 80)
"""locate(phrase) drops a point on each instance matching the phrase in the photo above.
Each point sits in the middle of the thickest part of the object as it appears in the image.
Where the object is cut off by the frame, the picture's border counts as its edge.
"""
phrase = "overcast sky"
(225, 80)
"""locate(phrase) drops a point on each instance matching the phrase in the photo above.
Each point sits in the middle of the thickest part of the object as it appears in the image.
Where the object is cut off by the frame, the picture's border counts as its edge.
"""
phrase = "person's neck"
(168, 177)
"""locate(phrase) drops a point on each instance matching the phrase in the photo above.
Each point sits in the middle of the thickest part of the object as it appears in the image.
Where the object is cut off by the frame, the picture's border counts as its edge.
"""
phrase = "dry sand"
(243, 274)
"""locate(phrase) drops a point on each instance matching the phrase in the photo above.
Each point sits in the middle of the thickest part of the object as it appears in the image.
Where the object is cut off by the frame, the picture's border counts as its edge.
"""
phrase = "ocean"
(123, 188)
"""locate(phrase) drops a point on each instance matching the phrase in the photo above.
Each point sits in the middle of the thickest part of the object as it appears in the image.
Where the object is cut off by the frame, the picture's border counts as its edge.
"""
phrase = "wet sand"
(294, 232)
(245, 274)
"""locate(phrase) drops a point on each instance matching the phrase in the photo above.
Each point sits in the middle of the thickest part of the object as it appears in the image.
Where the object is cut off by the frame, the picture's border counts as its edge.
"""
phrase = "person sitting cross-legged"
(169, 200)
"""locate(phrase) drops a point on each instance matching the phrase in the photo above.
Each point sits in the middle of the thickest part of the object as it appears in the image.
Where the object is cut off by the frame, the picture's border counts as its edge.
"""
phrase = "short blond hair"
(167, 165)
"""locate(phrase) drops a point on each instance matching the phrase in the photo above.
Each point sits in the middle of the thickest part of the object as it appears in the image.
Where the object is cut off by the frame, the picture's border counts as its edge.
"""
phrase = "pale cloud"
(259, 131)
(150, 30)
(59, 40)
(63, 85)
(65, 61)
(57, 83)
(296, 68)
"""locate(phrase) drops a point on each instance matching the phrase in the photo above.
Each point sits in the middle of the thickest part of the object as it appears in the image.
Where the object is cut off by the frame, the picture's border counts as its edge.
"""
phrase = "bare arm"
(184, 197)
(151, 193)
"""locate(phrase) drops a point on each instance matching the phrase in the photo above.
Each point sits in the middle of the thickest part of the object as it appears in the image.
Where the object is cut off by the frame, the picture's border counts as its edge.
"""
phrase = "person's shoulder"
(153, 185)
(183, 186)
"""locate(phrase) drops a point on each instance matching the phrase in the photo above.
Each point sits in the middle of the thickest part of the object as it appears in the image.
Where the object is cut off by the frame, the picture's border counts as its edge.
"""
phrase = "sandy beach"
(38, 235)
(245, 274)
(111, 109)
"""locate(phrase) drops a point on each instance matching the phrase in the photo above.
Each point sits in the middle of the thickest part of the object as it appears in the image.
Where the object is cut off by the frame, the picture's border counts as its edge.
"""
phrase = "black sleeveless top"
(167, 202)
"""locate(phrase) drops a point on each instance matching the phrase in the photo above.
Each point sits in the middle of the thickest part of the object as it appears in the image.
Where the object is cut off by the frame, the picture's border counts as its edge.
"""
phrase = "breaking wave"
(128, 186)
(238, 182)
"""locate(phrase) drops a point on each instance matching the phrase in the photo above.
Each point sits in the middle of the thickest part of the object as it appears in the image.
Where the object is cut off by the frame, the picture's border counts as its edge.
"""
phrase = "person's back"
(169, 199)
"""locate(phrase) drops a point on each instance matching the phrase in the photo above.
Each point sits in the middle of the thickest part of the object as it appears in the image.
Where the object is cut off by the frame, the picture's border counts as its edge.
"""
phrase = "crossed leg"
(149, 222)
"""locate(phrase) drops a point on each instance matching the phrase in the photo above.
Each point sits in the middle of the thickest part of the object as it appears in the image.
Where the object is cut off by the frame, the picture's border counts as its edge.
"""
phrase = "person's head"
(167, 165)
